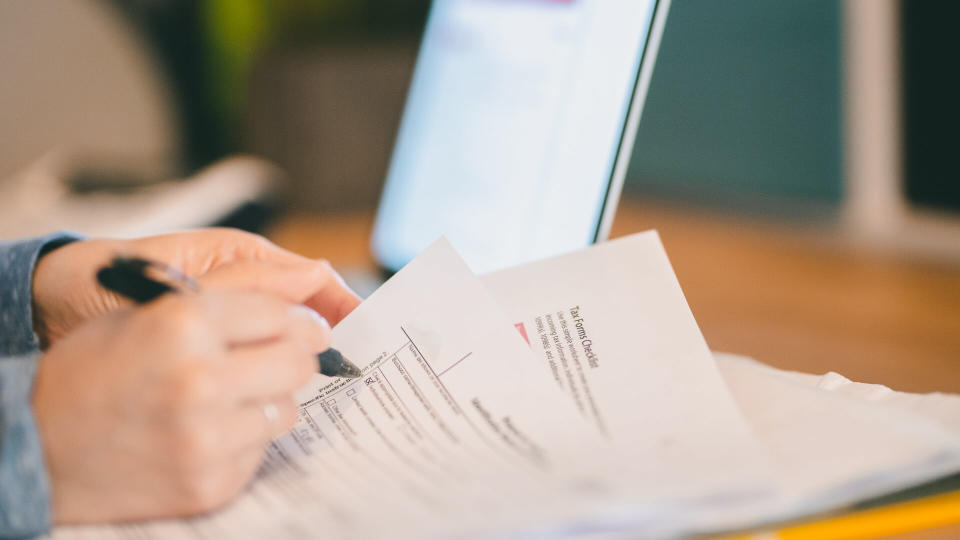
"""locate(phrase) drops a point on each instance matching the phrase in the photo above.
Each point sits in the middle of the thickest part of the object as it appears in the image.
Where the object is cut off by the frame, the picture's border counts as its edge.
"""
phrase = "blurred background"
(797, 156)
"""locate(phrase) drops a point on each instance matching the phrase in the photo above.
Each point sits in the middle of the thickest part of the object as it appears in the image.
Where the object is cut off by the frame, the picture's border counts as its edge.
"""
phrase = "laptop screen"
(511, 128)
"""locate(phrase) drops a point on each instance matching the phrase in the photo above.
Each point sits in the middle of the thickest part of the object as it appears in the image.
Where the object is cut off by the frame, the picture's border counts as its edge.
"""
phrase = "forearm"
(24, 485)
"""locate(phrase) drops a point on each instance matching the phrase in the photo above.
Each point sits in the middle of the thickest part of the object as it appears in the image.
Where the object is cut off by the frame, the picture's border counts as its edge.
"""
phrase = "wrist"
(64, 291)
(16, 293)
(46, 309)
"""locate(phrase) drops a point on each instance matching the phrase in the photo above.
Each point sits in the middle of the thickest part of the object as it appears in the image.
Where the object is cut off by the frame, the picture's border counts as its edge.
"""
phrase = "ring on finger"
(271, 411)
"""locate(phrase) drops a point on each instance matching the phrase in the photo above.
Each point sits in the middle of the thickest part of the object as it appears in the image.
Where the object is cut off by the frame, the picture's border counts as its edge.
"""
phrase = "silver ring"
(271, 412)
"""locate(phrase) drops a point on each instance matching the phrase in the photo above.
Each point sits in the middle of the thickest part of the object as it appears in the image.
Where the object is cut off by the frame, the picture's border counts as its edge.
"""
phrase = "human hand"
(66, 294)
(164, 411)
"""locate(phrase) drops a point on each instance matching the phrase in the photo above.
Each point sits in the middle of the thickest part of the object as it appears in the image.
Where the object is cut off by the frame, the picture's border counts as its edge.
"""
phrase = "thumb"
(310, 282)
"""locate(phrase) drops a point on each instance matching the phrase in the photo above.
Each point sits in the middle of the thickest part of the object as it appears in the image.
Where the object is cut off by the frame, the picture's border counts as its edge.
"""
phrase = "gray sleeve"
(24, 485)
(17, 259)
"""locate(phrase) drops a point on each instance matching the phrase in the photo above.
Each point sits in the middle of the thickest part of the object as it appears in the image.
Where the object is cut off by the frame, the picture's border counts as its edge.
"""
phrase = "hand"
(66, 294)
(160, 411)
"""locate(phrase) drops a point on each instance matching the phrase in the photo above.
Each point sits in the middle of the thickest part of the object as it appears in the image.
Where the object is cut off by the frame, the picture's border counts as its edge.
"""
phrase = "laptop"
(518, 128)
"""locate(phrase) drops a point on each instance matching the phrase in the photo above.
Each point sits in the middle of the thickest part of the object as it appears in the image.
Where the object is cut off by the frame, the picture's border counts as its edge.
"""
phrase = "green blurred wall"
(745, 104)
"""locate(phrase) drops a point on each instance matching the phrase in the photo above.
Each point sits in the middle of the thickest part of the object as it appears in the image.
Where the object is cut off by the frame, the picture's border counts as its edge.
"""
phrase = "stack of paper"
(836, 442)
(573, 396)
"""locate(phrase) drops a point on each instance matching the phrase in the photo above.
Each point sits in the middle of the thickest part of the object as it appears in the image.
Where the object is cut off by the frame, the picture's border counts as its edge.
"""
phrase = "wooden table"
(794, 299)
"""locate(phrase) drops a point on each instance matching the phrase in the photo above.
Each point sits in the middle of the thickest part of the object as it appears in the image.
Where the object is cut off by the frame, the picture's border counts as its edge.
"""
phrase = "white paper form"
(451, 430)
(941, 408)
(611, 328)
(837, 442)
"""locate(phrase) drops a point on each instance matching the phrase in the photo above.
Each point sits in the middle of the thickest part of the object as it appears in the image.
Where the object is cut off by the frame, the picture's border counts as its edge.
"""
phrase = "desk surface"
(794, 300)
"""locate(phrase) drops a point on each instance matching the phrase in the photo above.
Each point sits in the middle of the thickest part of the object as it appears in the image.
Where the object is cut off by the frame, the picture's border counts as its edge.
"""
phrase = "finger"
(336, 300)
(210, 253)
(314, 283)
(255, 423)
(292, 281)
(241, 317)
(199, 251)
(310, 326)
(261, 371)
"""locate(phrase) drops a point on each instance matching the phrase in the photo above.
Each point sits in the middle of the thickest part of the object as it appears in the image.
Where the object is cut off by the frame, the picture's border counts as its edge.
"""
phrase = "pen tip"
(349, 370)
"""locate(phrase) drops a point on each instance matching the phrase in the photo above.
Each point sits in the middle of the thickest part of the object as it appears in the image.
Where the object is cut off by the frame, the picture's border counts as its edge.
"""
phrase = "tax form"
(612, 329)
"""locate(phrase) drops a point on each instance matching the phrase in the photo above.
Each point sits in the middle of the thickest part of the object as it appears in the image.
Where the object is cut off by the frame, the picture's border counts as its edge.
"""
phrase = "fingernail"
(317, 318)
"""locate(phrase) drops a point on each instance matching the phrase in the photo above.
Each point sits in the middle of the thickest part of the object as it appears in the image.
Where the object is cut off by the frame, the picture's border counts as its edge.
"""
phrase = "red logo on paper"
(523, 331)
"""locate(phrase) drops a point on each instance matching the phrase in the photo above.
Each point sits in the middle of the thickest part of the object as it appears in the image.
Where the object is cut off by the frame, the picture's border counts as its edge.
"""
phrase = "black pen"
(142, 280)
